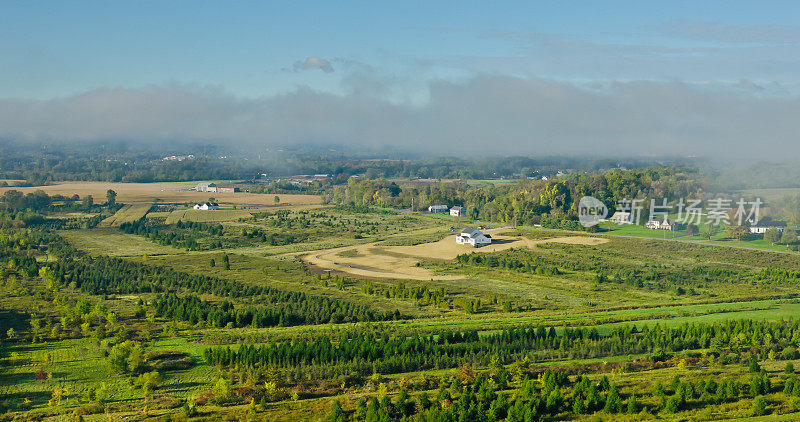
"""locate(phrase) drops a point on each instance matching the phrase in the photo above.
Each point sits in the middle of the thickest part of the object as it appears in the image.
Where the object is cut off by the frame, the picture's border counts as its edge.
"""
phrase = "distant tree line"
(552, 203)
(122, 162)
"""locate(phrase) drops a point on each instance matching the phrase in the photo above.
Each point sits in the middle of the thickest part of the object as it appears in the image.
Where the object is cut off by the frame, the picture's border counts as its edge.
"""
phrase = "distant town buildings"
(178, 158)
(302, 179)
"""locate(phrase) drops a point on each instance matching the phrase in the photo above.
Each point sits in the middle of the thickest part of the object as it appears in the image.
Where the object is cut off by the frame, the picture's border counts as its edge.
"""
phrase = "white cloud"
(313, 63)
(487, 114)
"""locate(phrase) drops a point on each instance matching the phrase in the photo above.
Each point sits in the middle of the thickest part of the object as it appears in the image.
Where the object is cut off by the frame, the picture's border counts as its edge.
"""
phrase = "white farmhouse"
(664, 224)
(206, 206)
(458, 211)
(438, 208)
(474, 237)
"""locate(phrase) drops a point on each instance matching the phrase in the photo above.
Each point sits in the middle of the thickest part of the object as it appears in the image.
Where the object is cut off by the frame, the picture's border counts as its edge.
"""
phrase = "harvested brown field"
(372, 260)
(165, 193)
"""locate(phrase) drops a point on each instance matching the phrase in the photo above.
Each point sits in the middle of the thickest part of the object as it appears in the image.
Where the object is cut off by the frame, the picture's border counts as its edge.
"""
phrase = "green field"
(207, 216)
(126, 214)
(720, 238)
(114, 243)
(68, 326)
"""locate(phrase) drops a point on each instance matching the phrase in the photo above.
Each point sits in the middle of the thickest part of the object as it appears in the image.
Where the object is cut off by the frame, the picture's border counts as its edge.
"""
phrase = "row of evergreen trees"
(311, 310)
(369, 351)
(552, 395)
(532, 266)
(163, 235)
(110, 275)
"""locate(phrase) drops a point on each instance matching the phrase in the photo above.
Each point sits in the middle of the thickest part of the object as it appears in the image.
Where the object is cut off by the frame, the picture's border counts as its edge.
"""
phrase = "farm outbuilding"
(438, 208)
(206, 187)
(458, 211)
(226, 189)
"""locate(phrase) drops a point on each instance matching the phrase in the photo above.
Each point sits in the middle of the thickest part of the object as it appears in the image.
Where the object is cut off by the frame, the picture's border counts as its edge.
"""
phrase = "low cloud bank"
(487, 114)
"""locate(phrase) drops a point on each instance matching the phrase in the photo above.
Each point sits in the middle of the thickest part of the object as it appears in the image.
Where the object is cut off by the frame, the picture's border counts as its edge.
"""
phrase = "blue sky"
(56, 48)
(244, 59)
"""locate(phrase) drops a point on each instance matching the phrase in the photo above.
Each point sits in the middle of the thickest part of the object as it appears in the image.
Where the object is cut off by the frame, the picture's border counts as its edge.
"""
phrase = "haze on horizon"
(715, 79)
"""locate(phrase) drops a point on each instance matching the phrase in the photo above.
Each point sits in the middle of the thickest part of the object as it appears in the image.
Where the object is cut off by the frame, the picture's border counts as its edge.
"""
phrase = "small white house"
(206, 206)
(664, 224)
(438, 208)
(763, 226)
(458, 211)
(474, 237)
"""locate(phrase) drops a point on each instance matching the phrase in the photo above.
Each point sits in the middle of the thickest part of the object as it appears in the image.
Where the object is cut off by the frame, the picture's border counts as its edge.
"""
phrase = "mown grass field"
(636, 230)
(719, 238)
(206, 216)
(112, 242)
(126, 214)
(73, 365)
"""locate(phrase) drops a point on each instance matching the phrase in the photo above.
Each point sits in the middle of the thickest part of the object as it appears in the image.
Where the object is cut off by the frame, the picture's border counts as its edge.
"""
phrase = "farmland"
(399, 212)
(374, 260)
(201, 216)
(149, 193)
(127, 214)
(164, 310)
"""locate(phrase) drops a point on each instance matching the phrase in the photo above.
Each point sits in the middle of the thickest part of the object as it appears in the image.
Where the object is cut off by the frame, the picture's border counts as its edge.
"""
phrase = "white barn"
(474, 237)
(206, 187)
(206, 206)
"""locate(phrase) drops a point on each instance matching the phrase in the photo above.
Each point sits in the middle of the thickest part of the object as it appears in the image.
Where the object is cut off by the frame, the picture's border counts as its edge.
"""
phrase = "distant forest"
(39, 164)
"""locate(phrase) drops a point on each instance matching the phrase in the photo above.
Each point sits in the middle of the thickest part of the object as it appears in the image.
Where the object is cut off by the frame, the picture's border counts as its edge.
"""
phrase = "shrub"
(759, 406)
